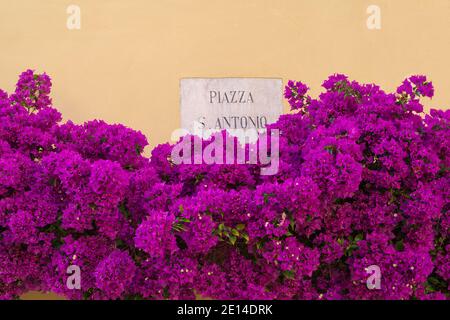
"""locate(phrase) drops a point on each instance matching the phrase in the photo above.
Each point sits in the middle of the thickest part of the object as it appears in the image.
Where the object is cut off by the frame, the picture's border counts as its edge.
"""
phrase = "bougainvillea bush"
(363, 180)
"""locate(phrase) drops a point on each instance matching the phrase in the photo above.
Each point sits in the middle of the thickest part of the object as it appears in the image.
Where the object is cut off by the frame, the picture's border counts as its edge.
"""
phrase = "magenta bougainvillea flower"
(363, 181)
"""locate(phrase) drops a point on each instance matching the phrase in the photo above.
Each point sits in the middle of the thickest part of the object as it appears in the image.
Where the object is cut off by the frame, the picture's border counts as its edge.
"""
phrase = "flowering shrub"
(363, 180)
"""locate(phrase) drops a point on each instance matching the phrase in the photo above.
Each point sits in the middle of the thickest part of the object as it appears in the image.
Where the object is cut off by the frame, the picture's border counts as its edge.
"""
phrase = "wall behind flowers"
(124, 63)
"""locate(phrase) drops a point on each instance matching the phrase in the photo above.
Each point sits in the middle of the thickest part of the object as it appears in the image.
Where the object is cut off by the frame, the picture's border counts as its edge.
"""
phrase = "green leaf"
(240, 227)
(289, 274)
(331, 149)
(88, 293)
(178, 227)
(138, 149)
(399, 246)
(292, 224)
(350, 249)
(123, 210)
(120, 244)
(166, 294)
(267, 196)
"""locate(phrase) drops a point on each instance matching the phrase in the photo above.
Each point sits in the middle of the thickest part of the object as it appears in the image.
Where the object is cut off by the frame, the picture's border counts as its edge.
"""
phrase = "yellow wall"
(125, 63)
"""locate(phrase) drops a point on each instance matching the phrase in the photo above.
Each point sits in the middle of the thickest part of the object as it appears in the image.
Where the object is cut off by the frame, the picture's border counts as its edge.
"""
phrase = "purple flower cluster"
(363, 180)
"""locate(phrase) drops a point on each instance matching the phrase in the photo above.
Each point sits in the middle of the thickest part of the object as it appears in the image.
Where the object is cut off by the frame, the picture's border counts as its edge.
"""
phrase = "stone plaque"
(229, 103)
